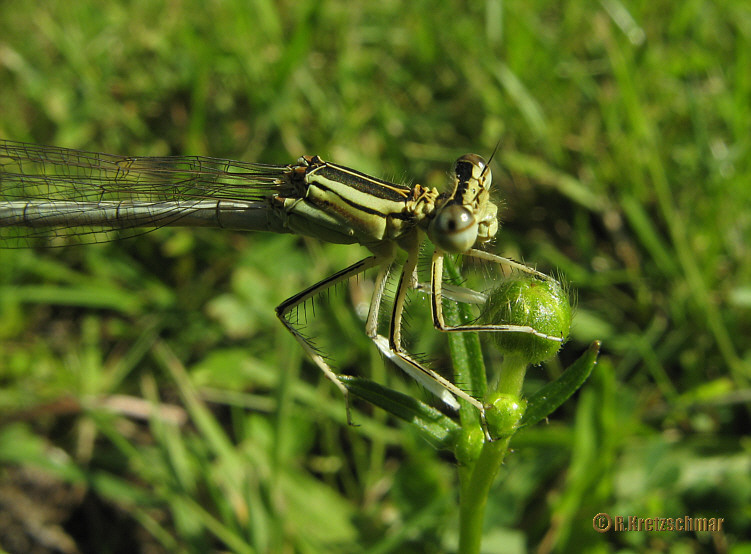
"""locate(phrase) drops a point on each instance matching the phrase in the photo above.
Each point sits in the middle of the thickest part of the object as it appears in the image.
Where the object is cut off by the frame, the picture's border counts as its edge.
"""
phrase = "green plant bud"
(506, 412)
(527, 301)
(469, 445)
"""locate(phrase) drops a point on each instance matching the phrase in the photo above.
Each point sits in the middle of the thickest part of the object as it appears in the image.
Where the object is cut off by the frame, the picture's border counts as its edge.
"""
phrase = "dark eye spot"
(463, 171)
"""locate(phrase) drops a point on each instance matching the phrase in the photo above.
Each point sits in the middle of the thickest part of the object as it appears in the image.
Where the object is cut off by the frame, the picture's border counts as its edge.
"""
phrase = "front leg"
(436, 279)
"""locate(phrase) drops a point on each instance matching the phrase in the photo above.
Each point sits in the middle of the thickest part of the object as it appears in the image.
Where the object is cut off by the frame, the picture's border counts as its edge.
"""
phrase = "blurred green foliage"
(624, 167)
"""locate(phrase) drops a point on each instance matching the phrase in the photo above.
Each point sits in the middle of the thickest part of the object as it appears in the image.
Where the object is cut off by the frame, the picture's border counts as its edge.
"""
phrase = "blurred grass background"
(624, 167)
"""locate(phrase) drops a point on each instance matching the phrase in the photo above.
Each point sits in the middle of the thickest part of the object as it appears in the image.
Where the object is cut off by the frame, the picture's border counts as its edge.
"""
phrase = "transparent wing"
(48, 192)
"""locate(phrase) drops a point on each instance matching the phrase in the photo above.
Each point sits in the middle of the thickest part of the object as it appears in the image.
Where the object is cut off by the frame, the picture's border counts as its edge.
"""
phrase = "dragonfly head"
(467, 217)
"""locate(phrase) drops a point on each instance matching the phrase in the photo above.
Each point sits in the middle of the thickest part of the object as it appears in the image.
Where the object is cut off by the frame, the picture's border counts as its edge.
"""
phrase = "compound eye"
(454, 229)
(468, 166)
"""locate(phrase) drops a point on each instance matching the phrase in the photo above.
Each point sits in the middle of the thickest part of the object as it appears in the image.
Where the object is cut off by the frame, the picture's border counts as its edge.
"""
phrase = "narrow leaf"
(440, 429)
(546, 400)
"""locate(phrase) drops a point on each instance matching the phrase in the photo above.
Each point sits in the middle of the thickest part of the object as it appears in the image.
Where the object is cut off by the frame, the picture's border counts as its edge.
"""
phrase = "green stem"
(512, 375)
(477, 480)
(474, 494)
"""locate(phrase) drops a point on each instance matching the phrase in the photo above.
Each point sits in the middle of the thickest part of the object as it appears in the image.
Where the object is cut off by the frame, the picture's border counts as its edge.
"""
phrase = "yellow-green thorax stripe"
(369, 206)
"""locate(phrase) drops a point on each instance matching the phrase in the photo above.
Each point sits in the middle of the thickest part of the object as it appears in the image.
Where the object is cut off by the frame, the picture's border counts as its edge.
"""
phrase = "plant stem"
(477, 480)
(474, 494)
(513, 371)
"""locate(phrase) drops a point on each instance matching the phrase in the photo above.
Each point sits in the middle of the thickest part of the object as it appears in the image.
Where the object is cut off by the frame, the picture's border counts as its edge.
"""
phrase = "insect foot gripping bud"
(541, 310)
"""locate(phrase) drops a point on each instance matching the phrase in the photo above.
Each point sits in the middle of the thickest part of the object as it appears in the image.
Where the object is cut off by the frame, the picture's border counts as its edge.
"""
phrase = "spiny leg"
(291, 303)
(371, 328)
(371, 325)
(471, 296)
(394, 351)
(436, 279)
(500, 260)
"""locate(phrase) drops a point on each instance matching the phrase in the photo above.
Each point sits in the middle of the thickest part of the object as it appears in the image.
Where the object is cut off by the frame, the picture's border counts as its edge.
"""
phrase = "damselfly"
(46, 191)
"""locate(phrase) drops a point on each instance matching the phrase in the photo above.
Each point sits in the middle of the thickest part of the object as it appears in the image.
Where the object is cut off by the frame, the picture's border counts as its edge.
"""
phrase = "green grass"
(624, 167)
